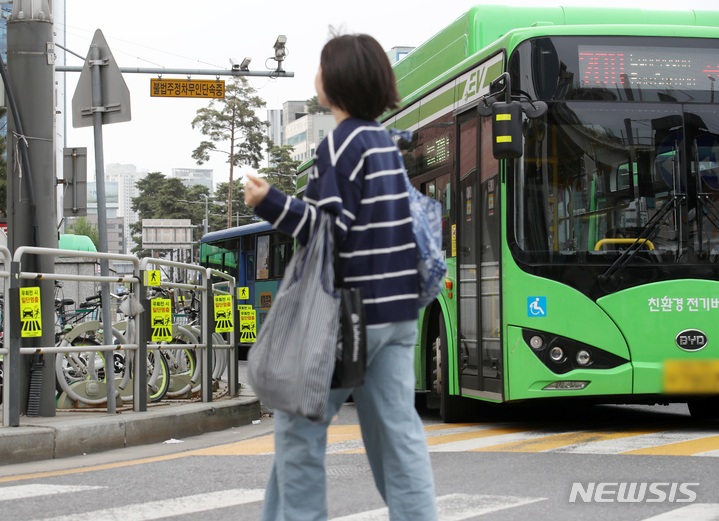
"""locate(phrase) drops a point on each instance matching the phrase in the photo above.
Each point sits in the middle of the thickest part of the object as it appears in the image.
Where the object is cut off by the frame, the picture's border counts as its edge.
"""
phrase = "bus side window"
(281, 254)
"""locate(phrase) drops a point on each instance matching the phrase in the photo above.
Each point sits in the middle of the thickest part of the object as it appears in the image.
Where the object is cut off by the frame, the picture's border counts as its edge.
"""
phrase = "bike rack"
(208, 322)
(11, 409)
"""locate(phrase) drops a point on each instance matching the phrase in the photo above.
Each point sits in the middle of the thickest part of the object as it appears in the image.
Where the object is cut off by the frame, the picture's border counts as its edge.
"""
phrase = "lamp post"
(206, 223)
(207, 213)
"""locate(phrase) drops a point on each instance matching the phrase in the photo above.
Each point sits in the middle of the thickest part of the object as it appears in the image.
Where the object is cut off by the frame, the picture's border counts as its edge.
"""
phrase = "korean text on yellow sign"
(223, 314)
(248, 323)
(177, 88)
(161, 316)
(30, 314)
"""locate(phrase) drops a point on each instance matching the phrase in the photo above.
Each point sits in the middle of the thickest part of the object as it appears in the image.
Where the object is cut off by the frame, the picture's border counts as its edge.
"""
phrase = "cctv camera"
(235, 64)
(245, 65)
(281, 41)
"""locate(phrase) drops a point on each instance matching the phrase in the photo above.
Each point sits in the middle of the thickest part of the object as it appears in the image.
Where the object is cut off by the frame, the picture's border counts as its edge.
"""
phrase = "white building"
(306, 133)
(195, 176)
(126, 177)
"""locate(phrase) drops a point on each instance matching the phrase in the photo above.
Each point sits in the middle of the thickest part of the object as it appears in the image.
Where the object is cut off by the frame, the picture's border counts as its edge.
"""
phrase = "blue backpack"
(427, 227)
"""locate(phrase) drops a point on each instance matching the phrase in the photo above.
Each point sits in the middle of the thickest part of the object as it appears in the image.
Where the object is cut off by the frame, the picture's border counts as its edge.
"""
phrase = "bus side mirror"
(507, 129)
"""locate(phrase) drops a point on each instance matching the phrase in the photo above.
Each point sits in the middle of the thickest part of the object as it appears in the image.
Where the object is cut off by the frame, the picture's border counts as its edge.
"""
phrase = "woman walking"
(357, 176)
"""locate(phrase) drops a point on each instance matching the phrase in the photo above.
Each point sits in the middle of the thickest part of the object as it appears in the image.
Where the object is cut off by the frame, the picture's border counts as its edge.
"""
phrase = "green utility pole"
(32, 215)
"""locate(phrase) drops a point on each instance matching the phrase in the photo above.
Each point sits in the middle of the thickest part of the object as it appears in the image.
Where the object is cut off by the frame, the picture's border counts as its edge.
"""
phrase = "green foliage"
(239, 208)
(314, 107)
(232, 128)
(283, 175)
(83, 226)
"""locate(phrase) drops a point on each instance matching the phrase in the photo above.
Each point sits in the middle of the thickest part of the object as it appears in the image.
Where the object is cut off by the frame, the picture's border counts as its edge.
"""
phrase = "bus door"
(478, 268)
(247, 268)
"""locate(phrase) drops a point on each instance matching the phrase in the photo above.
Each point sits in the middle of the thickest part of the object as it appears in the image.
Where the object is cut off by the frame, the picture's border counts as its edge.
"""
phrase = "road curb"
(54, 438)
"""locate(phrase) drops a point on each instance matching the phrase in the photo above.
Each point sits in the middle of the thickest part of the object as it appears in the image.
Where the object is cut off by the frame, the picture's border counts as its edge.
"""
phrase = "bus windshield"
(595, 174)
(609, 168)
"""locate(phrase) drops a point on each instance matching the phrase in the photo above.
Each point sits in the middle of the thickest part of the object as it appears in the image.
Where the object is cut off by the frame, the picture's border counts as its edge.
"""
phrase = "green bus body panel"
(651, 335)
(487, 28)
(528, 376)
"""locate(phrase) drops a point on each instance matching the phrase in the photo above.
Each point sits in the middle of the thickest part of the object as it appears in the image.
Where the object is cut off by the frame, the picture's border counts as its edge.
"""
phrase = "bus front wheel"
(452, 408)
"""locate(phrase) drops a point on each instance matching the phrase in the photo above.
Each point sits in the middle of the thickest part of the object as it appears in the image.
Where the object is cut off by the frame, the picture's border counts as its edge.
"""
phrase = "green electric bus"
(581, 227)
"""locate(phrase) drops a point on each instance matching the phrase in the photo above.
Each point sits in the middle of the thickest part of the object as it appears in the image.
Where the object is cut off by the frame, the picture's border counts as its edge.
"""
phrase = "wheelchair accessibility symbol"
(536, 306)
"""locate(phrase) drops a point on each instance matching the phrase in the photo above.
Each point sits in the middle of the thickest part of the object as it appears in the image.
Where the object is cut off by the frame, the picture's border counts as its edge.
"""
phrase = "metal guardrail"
(4, 351)
(13, 273)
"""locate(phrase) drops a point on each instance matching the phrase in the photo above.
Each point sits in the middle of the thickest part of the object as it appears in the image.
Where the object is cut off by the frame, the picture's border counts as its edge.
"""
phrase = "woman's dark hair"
(357, 76)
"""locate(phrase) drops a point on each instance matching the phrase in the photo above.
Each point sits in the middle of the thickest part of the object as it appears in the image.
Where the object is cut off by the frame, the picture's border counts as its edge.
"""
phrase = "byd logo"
(691, 340)
(634, 492)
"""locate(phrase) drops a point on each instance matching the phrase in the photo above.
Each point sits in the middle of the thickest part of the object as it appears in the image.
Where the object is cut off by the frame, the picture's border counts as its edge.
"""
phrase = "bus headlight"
(584, 357)
(557, 354)
(536, 342)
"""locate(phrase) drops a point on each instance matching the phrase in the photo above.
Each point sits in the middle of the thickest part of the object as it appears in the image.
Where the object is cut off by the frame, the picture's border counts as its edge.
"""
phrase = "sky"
(191, 34)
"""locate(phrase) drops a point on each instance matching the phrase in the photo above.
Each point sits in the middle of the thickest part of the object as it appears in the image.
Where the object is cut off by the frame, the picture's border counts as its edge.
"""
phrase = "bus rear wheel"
(705, 408)
(452, 408)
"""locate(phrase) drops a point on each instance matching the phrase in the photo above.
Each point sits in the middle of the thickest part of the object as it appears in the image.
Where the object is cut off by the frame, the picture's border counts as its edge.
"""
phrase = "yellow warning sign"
(223, 313)
(243, 293)
(30, 314)
(161, 316)
(153, 278)
(248, 324)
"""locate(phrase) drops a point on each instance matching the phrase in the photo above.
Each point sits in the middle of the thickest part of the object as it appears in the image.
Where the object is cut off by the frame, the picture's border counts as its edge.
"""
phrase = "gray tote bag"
(290, 365)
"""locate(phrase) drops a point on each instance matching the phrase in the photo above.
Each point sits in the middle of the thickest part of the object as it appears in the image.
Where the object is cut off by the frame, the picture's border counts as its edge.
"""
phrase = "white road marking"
(490, 441)
(454, 507)
(694, 512)
(27, 491)
(169, 507)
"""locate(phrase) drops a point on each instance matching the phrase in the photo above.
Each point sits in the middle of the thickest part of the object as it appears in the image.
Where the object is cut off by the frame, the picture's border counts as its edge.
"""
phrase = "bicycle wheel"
(158, 376)
(73, 367)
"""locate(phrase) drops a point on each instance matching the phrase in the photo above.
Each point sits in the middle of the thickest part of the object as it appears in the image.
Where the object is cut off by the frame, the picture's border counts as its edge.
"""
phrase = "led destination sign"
(648, 67)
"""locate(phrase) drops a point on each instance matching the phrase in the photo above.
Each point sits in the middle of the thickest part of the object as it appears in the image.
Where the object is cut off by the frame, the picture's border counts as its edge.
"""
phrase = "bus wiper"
(654, 223)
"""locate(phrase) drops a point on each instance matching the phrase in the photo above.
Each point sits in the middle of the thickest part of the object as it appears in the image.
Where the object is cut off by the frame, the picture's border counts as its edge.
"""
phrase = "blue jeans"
(391, 429)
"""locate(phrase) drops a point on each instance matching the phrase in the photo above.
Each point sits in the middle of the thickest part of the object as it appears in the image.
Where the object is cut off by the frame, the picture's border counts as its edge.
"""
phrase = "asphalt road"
(510, 465)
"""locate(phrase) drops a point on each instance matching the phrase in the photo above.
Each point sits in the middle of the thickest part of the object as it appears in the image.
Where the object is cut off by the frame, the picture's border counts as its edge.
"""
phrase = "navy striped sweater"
(357, 176)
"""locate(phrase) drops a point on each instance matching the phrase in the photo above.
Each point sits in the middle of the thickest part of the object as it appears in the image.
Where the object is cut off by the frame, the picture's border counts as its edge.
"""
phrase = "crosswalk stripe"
(454, 507)
(566, 439)
(694, 512)
(170, 507)
(28, 491)
(631, 444)
(681, 448)
(506, 437)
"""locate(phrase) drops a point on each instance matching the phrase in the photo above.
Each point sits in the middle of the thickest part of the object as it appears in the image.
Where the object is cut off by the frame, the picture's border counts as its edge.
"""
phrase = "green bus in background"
(583, 259)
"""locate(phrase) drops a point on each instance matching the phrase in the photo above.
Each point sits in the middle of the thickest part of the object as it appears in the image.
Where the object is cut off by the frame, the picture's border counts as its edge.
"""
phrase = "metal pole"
(15, 377)
(32, 215)
(144, 324)
(233, 370)
(95, 65)
(207, 213)
(208, 328)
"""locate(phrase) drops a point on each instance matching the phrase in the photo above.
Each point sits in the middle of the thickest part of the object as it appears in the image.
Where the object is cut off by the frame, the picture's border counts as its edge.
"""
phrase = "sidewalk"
(74, 433)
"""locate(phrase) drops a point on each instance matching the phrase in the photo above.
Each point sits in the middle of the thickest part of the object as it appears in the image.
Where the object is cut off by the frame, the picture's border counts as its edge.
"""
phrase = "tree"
(314, 107)
(145, 205)
(232, 122)
(241, 209)
(283, 174)
(82, 226)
